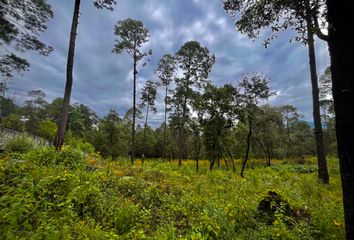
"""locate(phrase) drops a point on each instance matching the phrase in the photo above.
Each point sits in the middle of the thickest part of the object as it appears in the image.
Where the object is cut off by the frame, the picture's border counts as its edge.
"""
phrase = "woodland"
(223, 164)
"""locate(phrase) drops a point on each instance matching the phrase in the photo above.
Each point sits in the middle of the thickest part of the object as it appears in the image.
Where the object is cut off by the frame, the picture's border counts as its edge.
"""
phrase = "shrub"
(79, 144)
(70, 157)
(48, 156)
(44, 156)
(21, 144)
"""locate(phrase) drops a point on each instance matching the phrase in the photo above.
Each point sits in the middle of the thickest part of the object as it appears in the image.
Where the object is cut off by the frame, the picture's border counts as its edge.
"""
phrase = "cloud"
(103, 80)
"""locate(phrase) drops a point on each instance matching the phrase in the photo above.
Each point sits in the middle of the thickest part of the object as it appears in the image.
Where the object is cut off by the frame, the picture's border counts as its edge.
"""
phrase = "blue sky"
(103, 80)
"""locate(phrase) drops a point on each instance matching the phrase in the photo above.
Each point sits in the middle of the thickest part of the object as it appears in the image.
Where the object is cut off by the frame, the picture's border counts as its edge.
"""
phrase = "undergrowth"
(71, 195)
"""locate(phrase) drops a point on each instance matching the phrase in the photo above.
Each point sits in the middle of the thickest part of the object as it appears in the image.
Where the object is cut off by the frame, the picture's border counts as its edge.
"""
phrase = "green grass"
(113, 200)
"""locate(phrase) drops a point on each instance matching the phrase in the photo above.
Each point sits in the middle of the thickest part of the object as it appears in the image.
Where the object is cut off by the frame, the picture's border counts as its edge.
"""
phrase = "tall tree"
(254, 89)
(148, 96)
(166, 71)
(131, 36)
(305, 17)
(341, 48)
(62, 126)
(195, 62)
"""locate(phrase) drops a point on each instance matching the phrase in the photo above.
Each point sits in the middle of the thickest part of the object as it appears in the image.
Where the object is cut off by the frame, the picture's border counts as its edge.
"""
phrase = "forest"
(223, 163)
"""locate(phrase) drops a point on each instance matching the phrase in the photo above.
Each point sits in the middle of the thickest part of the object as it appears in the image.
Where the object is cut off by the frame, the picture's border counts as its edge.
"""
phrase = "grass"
(159, 200)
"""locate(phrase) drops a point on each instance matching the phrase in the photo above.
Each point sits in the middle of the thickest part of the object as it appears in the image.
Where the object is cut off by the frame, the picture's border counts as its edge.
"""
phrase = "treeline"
(221, 122)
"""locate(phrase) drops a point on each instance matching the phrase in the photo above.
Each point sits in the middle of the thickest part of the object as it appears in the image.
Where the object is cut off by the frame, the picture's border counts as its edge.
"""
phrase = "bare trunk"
(269, 155)
(248, 145)
(180, 133)
(321, 157)
(212, 162)
(232, 160)
(165, 127)
(132, 157)
(341, 48)
(59, 138)
(288, 132)
(198, 152)
(145, 126)
(227, 165)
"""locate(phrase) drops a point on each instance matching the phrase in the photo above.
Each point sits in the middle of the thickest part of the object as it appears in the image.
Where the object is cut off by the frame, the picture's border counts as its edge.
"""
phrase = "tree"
(303, 17)
(131, 36)
(215, 108)
(326, 102)
(53, 110)
(195, 62)
(326, 84)
(111, 128)
(268, 126)
(166, 71)
(341, 47)
(7, 106)
(148, 96)
(254, 89)
(62, 126)
(81, 119)
(303, 139)
(36, 98)
(21, 23)
(290, 115)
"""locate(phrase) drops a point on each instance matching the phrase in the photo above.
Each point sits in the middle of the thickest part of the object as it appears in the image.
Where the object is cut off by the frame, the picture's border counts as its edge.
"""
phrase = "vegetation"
(305, 17)
(68, 195)
(62, 124)
(87, 189)
(132, 35)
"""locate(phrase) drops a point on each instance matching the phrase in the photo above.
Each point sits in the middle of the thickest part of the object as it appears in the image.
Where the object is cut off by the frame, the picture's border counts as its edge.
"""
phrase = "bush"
(79, 144)
(45, 156)
(48, 156)
(21, 144)
(71, 157)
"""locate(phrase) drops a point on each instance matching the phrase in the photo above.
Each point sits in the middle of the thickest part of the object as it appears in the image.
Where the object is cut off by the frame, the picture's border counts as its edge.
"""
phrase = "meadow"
(46, 194)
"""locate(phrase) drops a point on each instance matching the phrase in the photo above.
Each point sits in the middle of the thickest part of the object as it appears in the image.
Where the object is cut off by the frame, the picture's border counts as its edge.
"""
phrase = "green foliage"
(48, 156)
(13, 121)
(79, 144)
(47, 129)
(46, 196)
(20, 144)
(31, 18)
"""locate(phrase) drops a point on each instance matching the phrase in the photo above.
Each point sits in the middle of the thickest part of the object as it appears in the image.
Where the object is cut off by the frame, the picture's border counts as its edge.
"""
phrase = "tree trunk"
(232, 160)
(165, 127)
(59, 138)
(341, 48)
(288, 132)
(227, 165)
(248, 145)
(132, 157)
(145, 126)
(198, 152)
(180, 133)
(212, 162)
(269, 156)
(321, 157)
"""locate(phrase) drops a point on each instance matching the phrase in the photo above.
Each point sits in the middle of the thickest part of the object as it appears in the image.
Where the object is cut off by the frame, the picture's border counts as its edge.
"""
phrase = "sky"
(103, 80)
